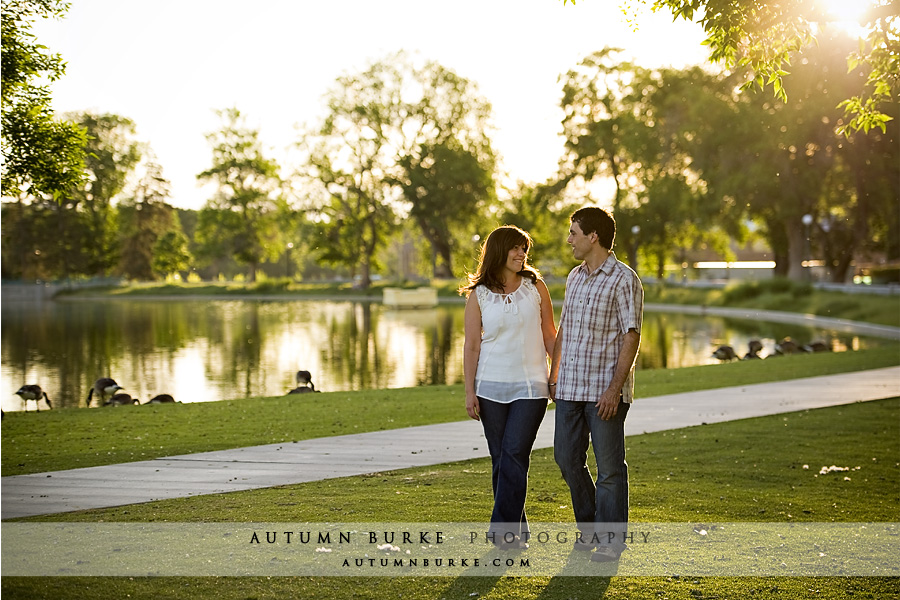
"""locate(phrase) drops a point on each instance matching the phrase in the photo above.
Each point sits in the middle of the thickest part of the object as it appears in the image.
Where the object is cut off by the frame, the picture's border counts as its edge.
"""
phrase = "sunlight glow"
(847, 10)
(847, 15)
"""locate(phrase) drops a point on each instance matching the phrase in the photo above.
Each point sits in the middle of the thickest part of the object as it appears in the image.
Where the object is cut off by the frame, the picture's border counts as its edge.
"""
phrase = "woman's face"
(515, 259)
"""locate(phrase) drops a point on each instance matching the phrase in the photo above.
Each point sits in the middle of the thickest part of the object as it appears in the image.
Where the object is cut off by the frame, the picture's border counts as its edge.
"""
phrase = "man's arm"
(608, 405)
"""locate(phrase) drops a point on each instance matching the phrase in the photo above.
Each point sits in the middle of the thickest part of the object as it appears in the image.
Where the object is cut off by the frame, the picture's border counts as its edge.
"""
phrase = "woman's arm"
(471, 351)
(548, 329)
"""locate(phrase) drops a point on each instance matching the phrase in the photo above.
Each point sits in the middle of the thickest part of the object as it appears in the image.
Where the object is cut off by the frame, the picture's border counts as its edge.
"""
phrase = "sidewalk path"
(357, 454)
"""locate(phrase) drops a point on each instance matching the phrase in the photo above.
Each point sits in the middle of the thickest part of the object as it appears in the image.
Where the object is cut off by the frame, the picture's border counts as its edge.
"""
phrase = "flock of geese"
(105, 389)
(107, 392)
(782, 348)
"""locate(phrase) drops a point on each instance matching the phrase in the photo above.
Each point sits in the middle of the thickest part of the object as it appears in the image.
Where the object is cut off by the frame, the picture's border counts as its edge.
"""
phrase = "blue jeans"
(606, 501)
(510, 430)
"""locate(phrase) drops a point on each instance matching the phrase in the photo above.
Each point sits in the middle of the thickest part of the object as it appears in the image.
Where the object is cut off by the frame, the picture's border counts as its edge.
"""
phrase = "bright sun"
(847, 14)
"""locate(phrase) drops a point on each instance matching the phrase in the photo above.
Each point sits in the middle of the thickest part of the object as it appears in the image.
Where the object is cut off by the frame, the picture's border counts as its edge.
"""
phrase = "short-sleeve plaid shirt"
(598, 310)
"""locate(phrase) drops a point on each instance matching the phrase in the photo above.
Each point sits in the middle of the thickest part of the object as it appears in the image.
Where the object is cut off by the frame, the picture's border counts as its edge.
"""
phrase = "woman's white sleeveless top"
(513, 361)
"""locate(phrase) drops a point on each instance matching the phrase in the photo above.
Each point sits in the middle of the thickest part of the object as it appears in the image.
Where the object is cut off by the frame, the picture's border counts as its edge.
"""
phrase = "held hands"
(608, 405)
(472, 407)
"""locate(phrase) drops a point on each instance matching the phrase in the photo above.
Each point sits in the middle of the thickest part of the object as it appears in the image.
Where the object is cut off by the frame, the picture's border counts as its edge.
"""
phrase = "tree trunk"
(798, 249)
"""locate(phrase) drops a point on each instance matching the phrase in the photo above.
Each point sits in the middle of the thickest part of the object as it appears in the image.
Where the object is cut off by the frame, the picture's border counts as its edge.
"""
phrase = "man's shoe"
(516, 544)
(583, 546)
(605, 554)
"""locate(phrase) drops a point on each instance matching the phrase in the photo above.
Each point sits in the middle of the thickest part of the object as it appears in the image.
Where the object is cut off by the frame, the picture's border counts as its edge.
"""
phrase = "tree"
(447, 172)
(629, 125)
(595, 117)
(398, 138)
(242, 217)
(171, 254)
(352, 158)
(803, 166)
(111, 156)
(763, 37)
(41, 154)
(144, 217)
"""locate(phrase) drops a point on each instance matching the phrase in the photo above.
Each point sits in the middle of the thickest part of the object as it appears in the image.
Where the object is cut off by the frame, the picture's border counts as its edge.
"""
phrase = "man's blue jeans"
(510, 430)
(606, 501)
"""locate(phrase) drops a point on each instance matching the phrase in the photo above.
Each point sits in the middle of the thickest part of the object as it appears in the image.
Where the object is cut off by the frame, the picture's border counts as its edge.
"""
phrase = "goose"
(754, 347)
(104, 388)
(303, 389)
(304, 378)
(725, 353)
(817, 346)
(121, 400)
(787, 346)
(33, 392)
(304, 383)
(160, 399)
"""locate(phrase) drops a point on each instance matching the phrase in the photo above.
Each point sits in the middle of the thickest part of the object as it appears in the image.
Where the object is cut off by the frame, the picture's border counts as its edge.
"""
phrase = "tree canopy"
(41, 154)
(763, 37)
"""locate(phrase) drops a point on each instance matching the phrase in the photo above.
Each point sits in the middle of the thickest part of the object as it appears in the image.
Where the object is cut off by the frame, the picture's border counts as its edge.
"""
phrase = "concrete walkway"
(357, 454)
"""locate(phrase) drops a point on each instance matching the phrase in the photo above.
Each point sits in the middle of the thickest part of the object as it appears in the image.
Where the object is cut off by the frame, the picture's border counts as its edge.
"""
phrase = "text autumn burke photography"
(430, 538)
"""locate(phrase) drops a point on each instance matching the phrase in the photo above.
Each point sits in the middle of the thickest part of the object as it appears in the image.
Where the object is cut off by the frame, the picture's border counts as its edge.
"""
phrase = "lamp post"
(287, 259)
(807, 221)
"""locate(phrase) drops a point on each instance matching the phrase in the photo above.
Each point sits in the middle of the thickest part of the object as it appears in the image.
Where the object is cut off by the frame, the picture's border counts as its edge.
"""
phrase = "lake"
(203, 351)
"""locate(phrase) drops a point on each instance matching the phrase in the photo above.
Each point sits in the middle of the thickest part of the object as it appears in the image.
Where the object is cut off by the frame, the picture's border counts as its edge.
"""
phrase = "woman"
(509, 336)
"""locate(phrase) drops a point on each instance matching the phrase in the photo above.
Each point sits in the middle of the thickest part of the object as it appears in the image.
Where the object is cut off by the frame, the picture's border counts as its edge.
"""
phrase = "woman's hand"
(472, 407)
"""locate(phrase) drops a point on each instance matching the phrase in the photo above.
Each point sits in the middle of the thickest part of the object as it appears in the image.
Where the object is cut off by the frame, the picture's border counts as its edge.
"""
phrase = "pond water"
(202, 351)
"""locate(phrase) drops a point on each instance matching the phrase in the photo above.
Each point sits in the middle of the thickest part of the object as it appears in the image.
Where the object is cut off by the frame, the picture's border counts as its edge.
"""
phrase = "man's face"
(581, 243)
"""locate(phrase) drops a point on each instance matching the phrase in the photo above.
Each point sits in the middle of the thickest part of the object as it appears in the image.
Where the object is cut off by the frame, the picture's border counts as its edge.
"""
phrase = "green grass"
(35, 442)
(748, 470)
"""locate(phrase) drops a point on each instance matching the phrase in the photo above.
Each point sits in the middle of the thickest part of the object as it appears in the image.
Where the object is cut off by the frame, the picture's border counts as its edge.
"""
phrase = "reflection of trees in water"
(438, 344)
(354, 354)
(199, 351)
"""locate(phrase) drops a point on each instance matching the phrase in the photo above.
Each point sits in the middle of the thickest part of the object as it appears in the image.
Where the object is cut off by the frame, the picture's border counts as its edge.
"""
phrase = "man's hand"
(608, 405)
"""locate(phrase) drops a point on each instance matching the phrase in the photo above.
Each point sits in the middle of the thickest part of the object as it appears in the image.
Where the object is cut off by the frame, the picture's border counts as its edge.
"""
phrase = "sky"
(169, 64)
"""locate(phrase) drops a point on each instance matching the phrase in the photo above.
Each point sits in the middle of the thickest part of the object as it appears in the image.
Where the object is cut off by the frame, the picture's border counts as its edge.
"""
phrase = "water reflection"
(205, 351)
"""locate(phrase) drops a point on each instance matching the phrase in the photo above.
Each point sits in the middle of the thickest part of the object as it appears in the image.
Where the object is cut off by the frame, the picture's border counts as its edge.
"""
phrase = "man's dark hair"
(596, 220)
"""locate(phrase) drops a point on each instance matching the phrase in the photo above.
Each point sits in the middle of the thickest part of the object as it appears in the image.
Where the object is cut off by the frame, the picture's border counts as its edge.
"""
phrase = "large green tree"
(42, 155)
(242, 218)
(112, 153)
(352, 161)
(795, 163)
(763, 39)
(399, 138)
(144, 217)
(632, 127)
(447, 171)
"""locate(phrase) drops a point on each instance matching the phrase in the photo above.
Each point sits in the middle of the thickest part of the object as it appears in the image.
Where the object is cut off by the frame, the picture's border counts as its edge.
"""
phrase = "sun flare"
(847, 14)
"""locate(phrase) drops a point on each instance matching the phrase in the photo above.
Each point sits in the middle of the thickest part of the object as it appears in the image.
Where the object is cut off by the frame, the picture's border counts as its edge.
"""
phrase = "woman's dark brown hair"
(494, 253)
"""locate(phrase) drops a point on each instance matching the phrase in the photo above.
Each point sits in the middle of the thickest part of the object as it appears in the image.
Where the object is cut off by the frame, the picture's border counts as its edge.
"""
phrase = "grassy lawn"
(34, 442)
(748, 470)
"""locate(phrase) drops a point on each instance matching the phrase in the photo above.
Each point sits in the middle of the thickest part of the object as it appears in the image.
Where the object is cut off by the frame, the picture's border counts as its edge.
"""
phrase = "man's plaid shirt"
(599, 309)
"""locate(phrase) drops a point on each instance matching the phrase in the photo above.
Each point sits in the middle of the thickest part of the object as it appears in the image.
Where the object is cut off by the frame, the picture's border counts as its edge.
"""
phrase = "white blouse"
(512, 363)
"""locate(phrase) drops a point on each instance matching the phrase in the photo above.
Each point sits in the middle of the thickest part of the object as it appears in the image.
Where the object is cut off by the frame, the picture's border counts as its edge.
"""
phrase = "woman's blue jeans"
(510, 430)
(598, 505)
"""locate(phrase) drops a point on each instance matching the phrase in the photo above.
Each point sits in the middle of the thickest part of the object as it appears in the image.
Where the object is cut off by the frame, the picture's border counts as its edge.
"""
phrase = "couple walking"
(509, 333)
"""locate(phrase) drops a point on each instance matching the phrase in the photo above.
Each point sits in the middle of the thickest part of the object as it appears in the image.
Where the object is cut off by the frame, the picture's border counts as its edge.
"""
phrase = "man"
(592, 381)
